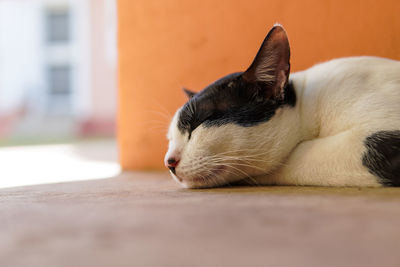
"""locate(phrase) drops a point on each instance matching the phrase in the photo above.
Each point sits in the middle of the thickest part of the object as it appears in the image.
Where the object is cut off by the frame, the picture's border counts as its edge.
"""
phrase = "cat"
(334, 124)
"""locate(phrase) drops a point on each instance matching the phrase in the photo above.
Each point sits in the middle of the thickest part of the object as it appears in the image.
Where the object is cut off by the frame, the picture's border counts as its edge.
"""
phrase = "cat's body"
(335, 124)
(340, 104)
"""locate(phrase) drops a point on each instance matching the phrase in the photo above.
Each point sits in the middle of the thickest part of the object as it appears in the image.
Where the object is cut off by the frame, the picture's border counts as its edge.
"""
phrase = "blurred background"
(57, 86)
(57, 70)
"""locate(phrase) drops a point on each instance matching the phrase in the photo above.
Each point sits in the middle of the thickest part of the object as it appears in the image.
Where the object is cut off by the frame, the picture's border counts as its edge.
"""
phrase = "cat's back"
(363, 69)
(344, 92)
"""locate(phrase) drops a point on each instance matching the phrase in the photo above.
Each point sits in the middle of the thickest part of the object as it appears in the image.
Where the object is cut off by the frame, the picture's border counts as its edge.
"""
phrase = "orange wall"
(165, 45)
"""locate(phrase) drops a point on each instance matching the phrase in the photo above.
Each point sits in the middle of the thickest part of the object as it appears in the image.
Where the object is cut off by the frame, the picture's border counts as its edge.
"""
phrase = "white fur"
(318, 142)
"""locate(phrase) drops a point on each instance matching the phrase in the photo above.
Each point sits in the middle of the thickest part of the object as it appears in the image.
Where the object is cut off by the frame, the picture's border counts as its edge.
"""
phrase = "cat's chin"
(209, 180)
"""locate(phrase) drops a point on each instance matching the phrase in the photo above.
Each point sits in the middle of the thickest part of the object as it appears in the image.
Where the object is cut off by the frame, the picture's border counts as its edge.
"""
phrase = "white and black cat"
(335, 124)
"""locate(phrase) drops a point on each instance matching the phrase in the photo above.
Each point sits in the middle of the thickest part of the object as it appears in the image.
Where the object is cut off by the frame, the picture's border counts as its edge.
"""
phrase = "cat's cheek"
(210, 140)
(202, 164)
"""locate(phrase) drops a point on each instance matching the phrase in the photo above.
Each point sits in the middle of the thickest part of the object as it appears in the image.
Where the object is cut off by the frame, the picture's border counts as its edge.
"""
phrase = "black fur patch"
(232, 100)
(383, 156)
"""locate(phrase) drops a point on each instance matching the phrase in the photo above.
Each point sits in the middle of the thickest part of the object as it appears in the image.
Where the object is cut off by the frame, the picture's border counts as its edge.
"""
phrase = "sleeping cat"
(335, 124)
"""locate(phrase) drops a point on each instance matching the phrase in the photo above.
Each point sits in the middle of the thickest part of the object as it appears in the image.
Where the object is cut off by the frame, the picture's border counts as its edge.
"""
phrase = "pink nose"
(171, 164)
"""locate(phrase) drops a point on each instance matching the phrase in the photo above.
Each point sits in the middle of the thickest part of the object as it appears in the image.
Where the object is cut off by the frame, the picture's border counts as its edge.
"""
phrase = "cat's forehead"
(224, 81)
(231, 99)
(217, 95)
(220, 88)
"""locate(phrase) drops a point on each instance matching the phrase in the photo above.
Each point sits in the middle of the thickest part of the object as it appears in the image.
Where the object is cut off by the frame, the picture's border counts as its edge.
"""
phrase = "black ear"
(188, 93)
(271, 65)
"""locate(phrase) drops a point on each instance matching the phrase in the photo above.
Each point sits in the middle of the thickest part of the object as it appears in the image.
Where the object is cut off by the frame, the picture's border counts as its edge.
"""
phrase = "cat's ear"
(188, 93)
(271, 65)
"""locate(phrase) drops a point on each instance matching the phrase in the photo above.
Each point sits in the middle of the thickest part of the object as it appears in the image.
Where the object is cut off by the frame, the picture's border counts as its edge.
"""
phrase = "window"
(59, 80)
(58, 25)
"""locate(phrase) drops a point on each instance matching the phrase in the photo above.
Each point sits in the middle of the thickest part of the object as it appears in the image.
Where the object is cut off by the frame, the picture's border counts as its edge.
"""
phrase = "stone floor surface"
(145, 219)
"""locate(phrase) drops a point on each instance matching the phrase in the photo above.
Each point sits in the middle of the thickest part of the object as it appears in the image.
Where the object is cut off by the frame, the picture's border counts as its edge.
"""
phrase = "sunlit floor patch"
(32, 165)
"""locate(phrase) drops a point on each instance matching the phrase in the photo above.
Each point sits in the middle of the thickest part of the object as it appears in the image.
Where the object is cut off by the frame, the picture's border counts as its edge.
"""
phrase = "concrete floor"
(54, 163)
(144, 219)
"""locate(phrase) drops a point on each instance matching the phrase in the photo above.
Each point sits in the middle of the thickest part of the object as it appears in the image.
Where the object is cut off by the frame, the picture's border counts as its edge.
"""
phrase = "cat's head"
(227, 131)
